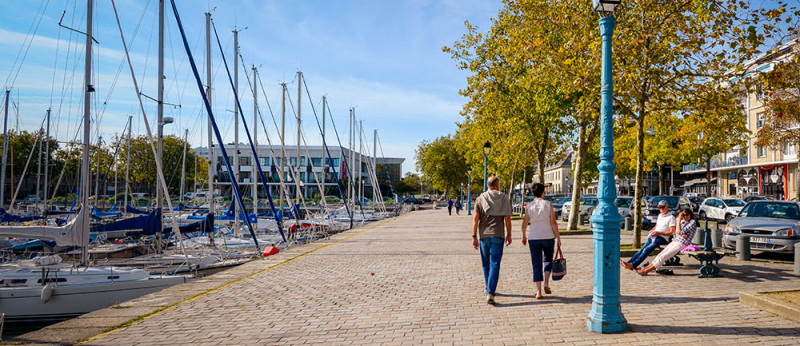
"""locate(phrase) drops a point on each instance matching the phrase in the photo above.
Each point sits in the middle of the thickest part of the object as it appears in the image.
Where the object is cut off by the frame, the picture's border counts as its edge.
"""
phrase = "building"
(315, 169)
(557, 176)
(749, 169)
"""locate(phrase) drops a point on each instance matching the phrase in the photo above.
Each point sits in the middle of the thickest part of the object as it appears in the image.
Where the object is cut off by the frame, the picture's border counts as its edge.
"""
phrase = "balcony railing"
(716, 163)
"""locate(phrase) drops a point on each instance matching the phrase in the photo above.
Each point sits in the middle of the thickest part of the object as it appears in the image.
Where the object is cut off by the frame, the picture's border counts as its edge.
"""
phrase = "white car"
(587, 205)
(624, 206)
(722, 209)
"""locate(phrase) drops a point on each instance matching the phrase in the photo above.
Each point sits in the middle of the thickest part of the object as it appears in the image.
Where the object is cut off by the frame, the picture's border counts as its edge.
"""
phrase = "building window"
(788, 149)
(761, 152)
(760, 120)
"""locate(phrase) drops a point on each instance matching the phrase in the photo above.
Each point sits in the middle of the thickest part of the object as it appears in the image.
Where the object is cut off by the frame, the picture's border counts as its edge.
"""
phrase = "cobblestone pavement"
(417, 281)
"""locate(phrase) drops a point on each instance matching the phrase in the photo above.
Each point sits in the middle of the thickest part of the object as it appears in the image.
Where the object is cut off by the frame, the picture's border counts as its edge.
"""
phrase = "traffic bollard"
(797, 258)
(743, 247)
(700, 237)
(628, 224)
(582, 219)
(716, 237)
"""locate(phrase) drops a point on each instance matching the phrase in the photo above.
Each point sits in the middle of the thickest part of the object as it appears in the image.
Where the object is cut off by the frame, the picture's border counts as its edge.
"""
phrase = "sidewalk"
(417, 281)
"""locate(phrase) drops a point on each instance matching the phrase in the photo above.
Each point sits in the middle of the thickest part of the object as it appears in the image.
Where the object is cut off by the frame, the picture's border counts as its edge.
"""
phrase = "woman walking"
(541, 238)
(682, 238)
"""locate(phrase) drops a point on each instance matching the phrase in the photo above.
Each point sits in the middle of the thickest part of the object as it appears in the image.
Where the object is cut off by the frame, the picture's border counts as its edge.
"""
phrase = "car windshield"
(672, 201)
(734, 202)
(563, 200)
(589, 201)
(623, 202)
(773, 210)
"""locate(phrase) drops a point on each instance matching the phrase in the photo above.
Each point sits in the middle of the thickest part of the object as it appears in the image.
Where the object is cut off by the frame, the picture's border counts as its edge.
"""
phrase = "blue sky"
(382, 57)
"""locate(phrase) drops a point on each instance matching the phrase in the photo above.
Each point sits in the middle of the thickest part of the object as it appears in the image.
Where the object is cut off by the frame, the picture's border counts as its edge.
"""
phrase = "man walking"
(458, 206)
(492, 214)
(449, 206)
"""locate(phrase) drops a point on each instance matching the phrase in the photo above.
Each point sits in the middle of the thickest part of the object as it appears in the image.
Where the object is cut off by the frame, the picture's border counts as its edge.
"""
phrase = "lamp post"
(606, 313)
(487, 149)
(469, 190)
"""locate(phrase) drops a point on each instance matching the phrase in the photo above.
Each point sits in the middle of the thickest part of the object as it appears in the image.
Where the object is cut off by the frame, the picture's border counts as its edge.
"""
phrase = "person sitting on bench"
(665, 227)
(687, 226)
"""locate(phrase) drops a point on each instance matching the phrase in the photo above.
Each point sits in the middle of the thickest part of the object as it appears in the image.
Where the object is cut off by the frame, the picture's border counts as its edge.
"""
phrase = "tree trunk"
(542, 156)
(637, 208)
(577, 182)
(661, 182)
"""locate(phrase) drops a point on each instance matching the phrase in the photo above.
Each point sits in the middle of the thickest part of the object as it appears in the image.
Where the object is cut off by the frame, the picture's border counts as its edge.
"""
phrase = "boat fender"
(270, 250)
(47, 292)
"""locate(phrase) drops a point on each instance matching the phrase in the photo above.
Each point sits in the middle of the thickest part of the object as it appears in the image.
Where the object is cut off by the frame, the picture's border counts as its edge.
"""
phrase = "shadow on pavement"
(712, 330)
(752, 273)
(672, 300)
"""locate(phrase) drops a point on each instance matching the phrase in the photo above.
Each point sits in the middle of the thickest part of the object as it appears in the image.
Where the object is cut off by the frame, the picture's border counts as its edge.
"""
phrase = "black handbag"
(559, 265)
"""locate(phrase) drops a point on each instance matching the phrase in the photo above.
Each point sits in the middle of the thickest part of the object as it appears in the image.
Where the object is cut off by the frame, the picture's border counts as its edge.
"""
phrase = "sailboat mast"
(183, 166)
(375, 164)
(5, 150)
(235, 176)
(160, 100)
(283, 140)
(87, 104)
(128, 161)
(98, 153)
(360, 162)
(212, 154)
(253, 173)
(39, 165)
(299, 194)
(47, 156)
(324, 166)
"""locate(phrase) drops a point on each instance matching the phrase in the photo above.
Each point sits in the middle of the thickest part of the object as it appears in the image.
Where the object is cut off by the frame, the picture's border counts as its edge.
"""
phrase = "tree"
(442, 163)
(143, 168)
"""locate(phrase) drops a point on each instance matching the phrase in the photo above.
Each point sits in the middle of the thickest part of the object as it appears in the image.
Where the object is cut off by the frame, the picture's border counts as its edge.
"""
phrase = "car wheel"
(702, 215)
(728, 218)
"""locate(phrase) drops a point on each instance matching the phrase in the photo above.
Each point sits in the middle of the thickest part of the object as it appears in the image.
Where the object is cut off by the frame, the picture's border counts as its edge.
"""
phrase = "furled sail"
(67, 235)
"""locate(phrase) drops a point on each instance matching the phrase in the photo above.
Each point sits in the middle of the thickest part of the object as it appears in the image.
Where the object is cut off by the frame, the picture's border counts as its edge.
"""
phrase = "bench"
(709, 261)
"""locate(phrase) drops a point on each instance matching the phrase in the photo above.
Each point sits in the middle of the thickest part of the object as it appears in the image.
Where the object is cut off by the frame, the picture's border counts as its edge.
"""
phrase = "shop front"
(773, 181)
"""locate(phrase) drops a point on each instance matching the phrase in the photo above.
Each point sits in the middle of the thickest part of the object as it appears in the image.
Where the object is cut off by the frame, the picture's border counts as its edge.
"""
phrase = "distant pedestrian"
(684, 234)
(492, 215)
(665, 227)
(449, 206)
(458, 206)
(543, 235)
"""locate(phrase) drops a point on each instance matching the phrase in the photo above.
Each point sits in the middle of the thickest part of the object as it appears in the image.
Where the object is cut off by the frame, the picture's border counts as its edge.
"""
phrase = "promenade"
(416, 280)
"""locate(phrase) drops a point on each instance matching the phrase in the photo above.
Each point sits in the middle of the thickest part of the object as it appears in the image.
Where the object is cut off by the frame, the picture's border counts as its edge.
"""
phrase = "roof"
(566, 161)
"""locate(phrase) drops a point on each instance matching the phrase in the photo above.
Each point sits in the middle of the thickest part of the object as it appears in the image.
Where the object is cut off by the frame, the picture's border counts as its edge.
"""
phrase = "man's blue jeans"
(651, 244)
(491, 254)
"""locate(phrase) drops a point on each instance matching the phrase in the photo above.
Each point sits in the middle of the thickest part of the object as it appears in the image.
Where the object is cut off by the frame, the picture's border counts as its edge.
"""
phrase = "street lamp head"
(606, 7)
(469, 170)
(487, 148)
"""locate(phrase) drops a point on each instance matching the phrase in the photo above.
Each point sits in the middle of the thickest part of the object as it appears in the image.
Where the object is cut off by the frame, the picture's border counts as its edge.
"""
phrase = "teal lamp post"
(461, 194)
(487, 149)
(469, 191)
(606, 313)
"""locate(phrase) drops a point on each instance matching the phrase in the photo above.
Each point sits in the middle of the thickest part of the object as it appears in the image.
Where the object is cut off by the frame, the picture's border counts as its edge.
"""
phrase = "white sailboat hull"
(27, 303)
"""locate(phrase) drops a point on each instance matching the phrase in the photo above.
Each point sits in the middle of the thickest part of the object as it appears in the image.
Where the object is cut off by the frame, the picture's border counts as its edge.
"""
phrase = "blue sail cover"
(147, 224)
(98, 213)
(6, 217)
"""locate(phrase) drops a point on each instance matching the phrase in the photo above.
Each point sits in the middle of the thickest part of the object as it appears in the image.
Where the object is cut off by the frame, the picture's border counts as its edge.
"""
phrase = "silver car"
(771, 225)
(588, 203)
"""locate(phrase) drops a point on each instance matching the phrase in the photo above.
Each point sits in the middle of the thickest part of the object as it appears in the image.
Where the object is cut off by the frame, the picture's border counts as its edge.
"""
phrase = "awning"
(698, 181)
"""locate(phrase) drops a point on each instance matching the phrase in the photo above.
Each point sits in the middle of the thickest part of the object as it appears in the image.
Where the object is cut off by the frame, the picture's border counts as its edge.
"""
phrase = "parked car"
(587, 205)
(31, 199)
(554, 196)
(412, 200)
(756, 198)
(558, 204)
(772, 225)
(722, 209)
(696, 201)
(624, 205)
(674, 202)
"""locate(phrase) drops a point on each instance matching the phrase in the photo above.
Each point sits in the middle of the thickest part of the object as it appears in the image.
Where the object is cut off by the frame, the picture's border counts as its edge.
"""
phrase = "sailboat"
(44, 288)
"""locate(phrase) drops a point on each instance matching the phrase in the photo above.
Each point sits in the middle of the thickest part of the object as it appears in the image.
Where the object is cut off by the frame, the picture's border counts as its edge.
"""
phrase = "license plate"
(759, 240)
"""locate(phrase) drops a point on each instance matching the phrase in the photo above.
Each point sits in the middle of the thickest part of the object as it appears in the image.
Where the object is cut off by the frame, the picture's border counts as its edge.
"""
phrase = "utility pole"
(283, 141)
(235, 176)
(299, 193)
(253, 172)
(47, 156)
(5, 151)
(160, 101)
(212, 154)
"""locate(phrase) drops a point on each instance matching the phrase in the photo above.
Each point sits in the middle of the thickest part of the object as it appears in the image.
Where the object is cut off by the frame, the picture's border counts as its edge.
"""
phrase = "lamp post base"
(611, 322)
